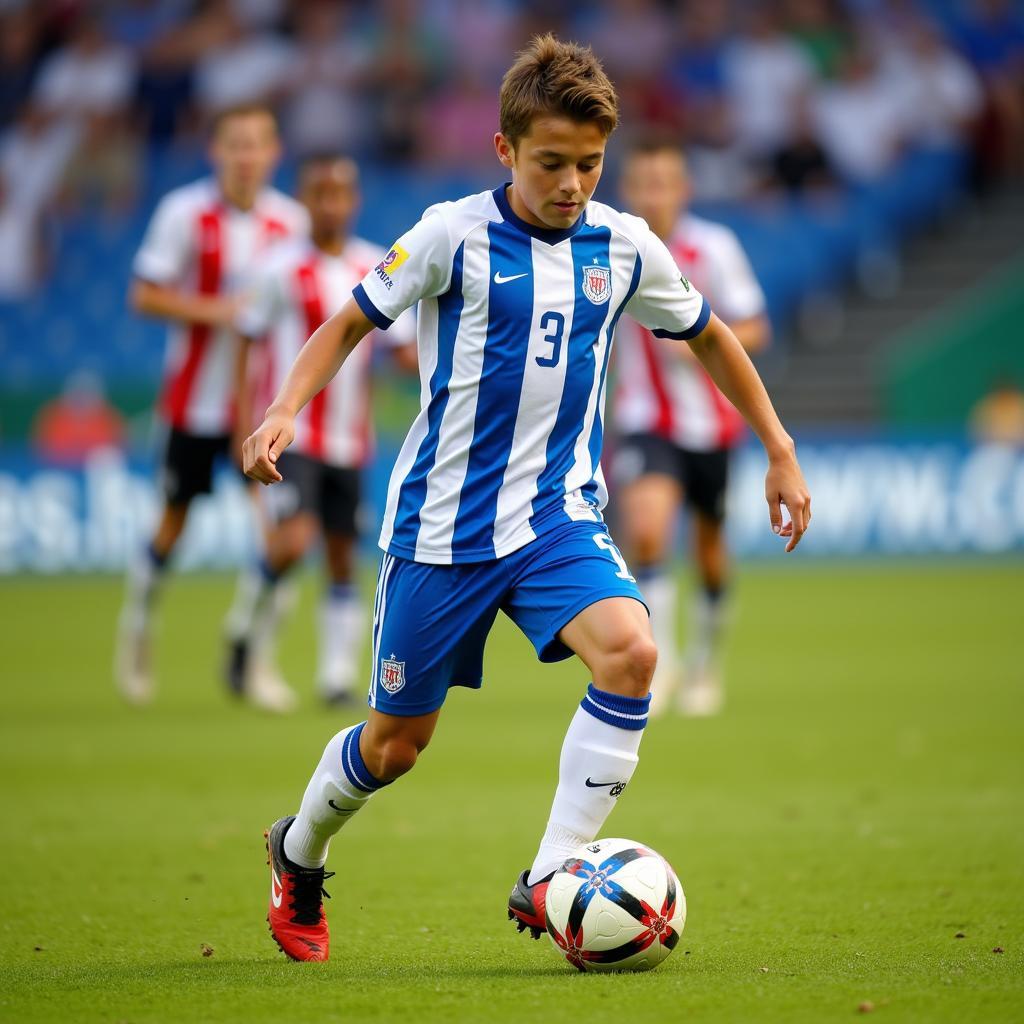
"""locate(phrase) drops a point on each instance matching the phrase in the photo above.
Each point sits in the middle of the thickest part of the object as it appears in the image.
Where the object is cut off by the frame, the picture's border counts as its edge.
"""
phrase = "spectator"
(77, 422)
(940, 93)
(819, 28)
(767, 75)
(89, 84)
(802, 165)
(633, 37)
(321, 83)
(998, 417)
(697, 64)
(992, 36)
(454, 122)
(482, 32)
(18, 62)
(243, 65)
(859, 120)
(88, 79)
(407, 67)
(33, 156)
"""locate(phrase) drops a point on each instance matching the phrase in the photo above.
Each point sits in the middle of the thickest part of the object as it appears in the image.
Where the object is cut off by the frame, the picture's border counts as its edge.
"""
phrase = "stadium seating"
(797, 246)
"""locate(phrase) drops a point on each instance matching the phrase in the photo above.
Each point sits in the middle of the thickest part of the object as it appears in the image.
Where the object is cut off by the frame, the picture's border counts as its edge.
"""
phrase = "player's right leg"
(262, 595)
(357, 762)
(187, 471)
(429, 627)
(649, 501)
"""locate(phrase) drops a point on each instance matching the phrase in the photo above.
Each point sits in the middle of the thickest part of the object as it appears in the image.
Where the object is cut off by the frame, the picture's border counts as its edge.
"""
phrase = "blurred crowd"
(790, 95)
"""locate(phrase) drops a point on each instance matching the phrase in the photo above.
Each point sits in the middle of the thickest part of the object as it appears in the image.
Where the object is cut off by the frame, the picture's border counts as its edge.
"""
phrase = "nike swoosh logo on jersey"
(341, 810)
(276, 889)
(600, 785)
(498, 279)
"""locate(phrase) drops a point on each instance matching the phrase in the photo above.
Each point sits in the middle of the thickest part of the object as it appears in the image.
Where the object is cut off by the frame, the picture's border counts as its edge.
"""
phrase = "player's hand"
(262, 448)
(784, 485)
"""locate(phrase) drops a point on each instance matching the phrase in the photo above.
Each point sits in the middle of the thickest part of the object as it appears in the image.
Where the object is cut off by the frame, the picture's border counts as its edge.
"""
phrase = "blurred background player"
(298, 287)
(677, 428)
(201, 245)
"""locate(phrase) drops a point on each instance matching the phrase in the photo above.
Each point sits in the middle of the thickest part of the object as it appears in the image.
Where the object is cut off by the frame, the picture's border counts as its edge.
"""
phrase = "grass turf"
(858, 806)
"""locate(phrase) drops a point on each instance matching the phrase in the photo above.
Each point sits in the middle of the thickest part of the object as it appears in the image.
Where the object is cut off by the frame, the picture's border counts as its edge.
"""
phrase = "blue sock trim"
(354, 766)
(158, 560)
(269, 574)
(341, 591)
(613, 709)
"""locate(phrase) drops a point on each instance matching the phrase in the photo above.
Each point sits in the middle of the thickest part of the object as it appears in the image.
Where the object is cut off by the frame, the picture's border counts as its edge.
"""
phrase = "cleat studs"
(535, 932)
(511, 916)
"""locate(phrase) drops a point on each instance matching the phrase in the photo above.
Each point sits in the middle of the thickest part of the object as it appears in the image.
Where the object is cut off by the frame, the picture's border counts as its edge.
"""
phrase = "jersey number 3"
(554, 324)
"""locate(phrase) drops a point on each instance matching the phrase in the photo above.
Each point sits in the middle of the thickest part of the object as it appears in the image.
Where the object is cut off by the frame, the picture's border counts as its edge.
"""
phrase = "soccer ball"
(615, 905)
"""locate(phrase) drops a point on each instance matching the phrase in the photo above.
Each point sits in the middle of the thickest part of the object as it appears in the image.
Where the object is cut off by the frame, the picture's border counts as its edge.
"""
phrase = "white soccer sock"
(255, 585)
(342, 629)
(709, 615)
(660, 592)
(340, 785)
(142, 583)
(599, 756)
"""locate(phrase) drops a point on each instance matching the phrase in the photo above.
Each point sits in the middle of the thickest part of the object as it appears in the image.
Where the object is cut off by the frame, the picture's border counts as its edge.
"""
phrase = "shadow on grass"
(217, 973)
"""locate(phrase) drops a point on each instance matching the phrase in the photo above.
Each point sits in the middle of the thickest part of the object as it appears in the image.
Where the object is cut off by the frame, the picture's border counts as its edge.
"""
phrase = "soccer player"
(202, 243)
(677, 428)
(496, 496)
(296, 289)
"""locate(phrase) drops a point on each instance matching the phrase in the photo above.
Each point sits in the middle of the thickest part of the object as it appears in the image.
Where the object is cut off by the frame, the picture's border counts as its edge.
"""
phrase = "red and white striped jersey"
(662, 389)
(295, 291)
(198, 242)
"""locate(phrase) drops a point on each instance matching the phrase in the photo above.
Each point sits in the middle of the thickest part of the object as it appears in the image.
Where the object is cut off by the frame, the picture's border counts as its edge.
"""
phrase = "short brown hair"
(552, 77)
(241, 110)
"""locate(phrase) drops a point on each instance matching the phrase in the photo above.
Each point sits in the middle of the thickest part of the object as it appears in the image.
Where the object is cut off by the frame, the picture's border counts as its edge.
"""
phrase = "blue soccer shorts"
(430, 622)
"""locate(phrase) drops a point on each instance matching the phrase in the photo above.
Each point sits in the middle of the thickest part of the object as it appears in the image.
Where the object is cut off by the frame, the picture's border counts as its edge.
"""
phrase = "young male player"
(201, 245)
(495, 500)
(296, 289)
(677, 428)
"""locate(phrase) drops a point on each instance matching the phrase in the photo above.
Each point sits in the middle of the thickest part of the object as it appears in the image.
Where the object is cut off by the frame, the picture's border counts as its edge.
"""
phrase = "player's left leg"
(707, 474)
(342, 615)
(263, 594)
(342, 621)
(577, 595)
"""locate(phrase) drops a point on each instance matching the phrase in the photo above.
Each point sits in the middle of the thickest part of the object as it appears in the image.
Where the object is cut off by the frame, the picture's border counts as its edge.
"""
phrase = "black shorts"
(189, 461)
(704, 476)
(331, 493)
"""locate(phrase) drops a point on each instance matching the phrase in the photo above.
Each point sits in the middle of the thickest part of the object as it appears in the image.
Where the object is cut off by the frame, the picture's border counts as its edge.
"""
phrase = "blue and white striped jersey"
(515, 331)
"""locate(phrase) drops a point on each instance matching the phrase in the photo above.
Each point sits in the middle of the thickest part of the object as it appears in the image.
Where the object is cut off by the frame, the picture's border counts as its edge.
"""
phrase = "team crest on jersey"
(387, 267)
(597, 284)
(392, 674)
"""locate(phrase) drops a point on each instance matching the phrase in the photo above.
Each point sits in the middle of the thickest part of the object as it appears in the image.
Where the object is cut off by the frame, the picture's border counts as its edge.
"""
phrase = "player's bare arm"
(730, 368)
(243, 395)
(320, 359)
(167, 303)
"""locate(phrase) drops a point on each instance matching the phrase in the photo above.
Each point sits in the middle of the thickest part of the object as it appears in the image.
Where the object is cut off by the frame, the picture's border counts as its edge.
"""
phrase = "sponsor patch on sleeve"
(388, 267)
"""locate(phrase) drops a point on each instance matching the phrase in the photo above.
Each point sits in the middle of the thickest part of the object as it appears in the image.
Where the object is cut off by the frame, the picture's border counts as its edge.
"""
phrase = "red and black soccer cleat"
(526, 904)
(296, 917)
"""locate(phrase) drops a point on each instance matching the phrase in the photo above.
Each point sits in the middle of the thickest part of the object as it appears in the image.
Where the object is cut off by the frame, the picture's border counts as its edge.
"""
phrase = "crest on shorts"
(597, 284)
(392, 674)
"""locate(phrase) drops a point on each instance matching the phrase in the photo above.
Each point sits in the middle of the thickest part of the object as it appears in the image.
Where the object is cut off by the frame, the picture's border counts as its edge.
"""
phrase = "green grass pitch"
(850, 831)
